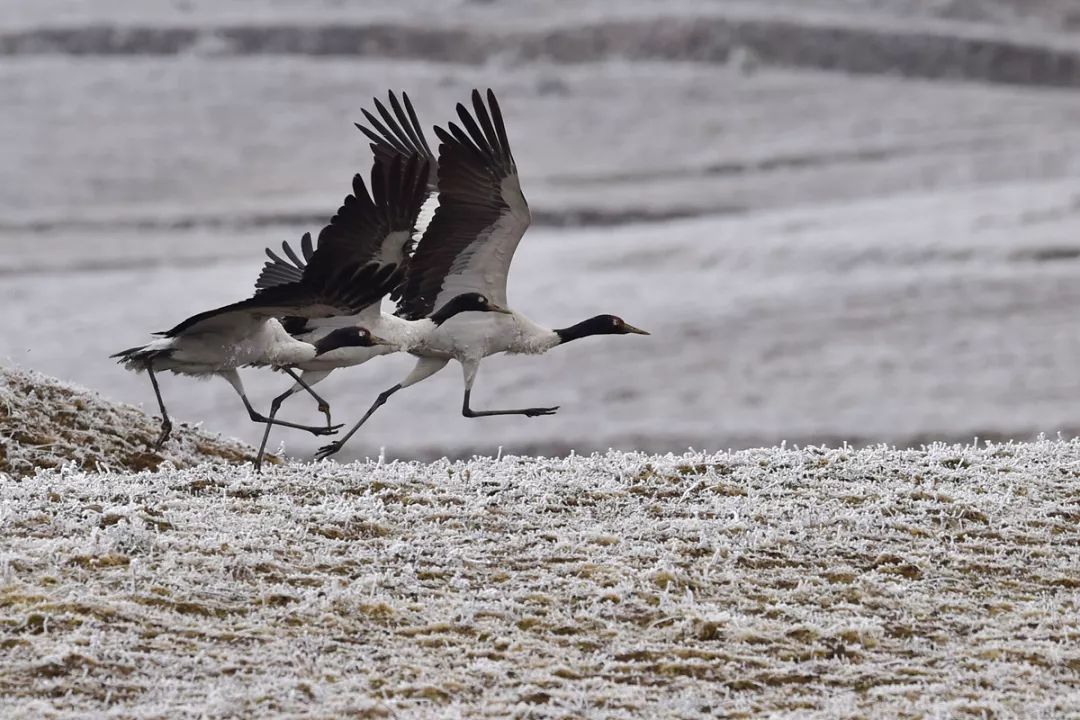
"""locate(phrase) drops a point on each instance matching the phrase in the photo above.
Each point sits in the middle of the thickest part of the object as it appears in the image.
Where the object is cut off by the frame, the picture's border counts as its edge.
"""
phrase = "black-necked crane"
(468, 246)
(351, 223)
(340, 277)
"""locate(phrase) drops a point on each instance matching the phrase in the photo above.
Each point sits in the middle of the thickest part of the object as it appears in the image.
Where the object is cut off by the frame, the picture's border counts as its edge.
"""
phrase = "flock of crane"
(436, 234)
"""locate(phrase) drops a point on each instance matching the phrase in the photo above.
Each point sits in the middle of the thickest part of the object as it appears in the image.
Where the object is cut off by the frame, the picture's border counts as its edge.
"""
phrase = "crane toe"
(327, 450)
(166, 430)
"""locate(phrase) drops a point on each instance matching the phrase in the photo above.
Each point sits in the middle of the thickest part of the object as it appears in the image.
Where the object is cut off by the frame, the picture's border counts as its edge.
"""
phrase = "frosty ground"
(821, 257)
(824, 582)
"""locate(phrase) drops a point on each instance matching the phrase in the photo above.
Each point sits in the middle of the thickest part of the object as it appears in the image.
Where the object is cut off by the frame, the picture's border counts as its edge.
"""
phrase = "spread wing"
(399, 134)
(368, 229)
(279, 271)
(358, 259)
(377, 229)
(324, 290)
(481, 217)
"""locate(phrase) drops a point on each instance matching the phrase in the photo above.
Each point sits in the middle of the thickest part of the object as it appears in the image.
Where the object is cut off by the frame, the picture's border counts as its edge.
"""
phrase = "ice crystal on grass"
(818, 582)
(46, 423)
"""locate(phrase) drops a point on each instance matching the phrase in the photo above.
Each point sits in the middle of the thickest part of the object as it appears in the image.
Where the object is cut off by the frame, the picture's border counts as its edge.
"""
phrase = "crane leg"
(527, 412)
(166, 423)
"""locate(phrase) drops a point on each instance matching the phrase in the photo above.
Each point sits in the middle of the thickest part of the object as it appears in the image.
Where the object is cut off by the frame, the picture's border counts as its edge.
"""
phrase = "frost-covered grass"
(828, 583)
(47, 423)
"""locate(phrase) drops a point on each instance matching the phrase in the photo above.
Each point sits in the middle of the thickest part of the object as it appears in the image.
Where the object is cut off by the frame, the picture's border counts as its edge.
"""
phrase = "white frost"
(825, 583)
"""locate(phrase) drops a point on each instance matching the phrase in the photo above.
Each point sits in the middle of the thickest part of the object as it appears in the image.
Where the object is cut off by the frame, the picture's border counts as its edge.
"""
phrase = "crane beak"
(635, 331)
(501, 309)
(376, 340)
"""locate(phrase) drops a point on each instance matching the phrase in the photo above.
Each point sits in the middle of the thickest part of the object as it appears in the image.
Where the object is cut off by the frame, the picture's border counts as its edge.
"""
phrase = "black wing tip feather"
(493, 104)
(376, 139)
(443, 135)
(403, 183)
(350, 265)
(482, 130)
(474, 157)
(333, 275)
(391, 199)
(356, 287)
(381, 136)
(398, 131)
(279, 271)
(409, 121)
(287, 249)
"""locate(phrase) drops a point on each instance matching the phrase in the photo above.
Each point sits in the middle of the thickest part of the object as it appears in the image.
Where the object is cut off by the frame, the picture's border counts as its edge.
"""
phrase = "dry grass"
(819, 583)
(45, 423)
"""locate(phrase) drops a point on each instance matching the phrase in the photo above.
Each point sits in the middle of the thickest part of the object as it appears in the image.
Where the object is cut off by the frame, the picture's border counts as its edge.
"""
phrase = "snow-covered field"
(814, 583)
(881, 272)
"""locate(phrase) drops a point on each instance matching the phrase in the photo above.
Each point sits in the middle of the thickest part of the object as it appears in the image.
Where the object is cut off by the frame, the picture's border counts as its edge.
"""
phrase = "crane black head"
(466, 302)
(599, 325)
(346, 337)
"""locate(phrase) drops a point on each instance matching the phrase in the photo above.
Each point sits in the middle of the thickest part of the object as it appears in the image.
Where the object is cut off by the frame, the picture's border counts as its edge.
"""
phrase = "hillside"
(832, 583)
(46, 423)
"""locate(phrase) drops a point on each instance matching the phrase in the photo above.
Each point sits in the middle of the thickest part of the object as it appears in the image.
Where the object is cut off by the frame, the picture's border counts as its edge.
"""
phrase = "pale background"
(842, 220)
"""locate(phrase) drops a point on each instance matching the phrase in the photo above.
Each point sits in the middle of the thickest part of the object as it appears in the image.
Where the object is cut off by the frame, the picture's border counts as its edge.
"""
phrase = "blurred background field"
(842, 220)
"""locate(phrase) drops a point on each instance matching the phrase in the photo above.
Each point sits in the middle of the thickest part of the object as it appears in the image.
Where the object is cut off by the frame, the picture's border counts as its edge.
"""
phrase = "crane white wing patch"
(485, 264)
